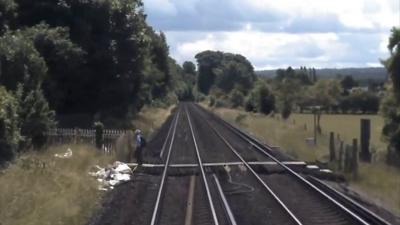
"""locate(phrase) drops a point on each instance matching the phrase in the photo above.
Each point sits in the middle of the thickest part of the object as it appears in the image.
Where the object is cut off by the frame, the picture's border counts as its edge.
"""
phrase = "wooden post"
(365, 135)
(340, 162)
(354, 164)
(332, 153)
(347, 159)
(99, 136)
(315, 127)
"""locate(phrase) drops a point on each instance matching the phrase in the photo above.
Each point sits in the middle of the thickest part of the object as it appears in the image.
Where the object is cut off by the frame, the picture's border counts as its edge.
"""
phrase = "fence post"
(340, 162)
(365, 135)
(332, 150)
(347, 160)
(354, 163)
(99, 127)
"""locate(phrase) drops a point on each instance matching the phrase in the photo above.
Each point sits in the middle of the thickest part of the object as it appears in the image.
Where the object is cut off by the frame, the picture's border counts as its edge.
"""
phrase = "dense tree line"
(67, 57)
(230, 81)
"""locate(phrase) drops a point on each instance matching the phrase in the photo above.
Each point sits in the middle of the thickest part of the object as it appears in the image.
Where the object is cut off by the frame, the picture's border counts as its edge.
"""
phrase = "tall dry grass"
(39, 189)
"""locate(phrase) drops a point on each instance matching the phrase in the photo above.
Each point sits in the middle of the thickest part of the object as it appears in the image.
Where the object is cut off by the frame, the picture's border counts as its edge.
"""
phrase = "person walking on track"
(140, 144)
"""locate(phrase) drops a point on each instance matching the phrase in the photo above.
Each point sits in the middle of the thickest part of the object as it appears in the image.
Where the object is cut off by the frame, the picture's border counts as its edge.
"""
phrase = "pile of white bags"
(112, 175)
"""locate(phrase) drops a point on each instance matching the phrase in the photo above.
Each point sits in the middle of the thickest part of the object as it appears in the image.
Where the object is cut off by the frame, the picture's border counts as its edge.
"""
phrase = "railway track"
(200, 206)
(307, 201)
(213, 173)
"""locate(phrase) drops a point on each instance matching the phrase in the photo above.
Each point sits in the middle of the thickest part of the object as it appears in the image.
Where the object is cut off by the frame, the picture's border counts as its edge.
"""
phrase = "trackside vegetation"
(71, 63)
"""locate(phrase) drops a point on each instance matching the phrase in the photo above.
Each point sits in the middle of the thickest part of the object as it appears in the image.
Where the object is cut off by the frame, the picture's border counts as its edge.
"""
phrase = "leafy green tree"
(20, 62)
(326, 93)
(260, 99)
(266, 99)
(224, 71)
(207, 62)
(9, 130)
(35, 116)
(189, 67)
(287, 96)
(348, 82)
(63, 84)
(113, 34)
(390, 105)
(8, 14)
(236, 98)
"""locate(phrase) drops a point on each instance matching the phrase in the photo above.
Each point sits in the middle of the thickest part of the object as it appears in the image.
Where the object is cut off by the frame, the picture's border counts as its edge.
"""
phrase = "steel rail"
(216, 164)
(228, 210)
(165, 142)
(203, 175)
(374, 218)
(160, 193)
(257, 145)
(259, 179)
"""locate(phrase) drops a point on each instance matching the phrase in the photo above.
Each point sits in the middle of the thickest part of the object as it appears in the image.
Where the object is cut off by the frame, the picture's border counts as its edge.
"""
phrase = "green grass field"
(377, 180)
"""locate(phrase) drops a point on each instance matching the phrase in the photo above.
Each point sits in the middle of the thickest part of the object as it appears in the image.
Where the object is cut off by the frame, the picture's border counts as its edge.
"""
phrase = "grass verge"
(40, 189)
(380, 182)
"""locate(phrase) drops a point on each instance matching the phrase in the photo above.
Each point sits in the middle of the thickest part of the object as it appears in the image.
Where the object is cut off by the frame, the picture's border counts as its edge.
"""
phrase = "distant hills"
(361, 74)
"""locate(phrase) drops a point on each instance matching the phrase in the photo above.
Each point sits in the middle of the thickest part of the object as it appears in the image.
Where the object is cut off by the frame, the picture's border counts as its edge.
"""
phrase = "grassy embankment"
(377, 180)
(39, 189)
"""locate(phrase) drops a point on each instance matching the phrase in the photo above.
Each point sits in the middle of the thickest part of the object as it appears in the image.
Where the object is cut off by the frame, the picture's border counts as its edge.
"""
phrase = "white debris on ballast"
(312, 167)
(112, 175)
(326, 171)
(66, 155)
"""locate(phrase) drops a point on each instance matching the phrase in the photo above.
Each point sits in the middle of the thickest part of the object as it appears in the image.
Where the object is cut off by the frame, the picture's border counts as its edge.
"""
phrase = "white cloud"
(266, 50)
(271, 33)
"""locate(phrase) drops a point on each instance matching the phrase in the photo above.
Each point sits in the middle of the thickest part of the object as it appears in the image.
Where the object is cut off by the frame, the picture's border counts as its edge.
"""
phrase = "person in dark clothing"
(139, 147)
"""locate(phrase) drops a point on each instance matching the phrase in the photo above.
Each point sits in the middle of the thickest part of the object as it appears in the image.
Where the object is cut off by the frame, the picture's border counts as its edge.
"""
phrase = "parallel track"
(160, 194)
(358, 214)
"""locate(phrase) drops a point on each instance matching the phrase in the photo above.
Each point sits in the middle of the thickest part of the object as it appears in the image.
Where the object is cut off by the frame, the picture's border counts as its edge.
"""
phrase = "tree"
(391, 103)
(114, 35)
(236, 98)
(224, 71)
(189, 68)
(9, 130)
(35, 116)
(8, 14)
(207, 62)
(348, 82)
(266, 99)
(326, 93)
(20, 62)
(63, 85)
(287, 94)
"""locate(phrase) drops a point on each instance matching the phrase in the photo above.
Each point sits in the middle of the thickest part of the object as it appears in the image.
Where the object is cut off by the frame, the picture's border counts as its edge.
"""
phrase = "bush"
(260, 99)
(9, 131)
(236, 98)
(36, 118)
(249, 105)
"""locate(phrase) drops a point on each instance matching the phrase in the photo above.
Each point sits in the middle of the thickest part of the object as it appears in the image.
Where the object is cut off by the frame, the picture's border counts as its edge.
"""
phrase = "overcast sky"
(279, 33)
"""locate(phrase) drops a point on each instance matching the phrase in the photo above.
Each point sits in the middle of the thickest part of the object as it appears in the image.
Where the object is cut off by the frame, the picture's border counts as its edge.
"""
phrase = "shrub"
(36, 118)
(9, 131)
(236, 98)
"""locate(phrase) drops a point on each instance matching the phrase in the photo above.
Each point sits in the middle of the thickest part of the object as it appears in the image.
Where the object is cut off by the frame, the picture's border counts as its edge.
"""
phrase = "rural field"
(378, 181)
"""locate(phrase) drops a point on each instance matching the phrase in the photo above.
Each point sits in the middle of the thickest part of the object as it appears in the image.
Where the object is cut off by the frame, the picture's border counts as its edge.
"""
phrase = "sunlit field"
(378, 181)
(40, 189)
